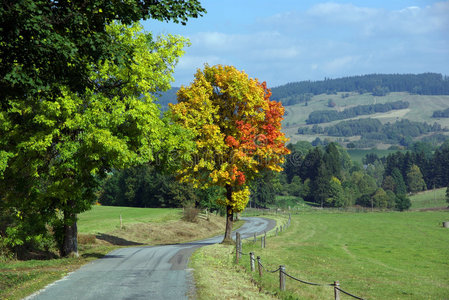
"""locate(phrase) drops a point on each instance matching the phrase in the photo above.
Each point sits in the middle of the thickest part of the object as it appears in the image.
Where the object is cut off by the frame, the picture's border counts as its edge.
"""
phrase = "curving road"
(151, 272)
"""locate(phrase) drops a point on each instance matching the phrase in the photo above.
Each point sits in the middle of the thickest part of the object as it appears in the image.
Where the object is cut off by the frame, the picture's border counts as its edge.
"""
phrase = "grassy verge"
(216, 263)
(217, 276)
(387, 255)
(100, 233)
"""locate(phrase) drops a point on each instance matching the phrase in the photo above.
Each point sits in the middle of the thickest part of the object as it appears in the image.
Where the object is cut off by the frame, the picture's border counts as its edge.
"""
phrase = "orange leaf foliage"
(237, 129)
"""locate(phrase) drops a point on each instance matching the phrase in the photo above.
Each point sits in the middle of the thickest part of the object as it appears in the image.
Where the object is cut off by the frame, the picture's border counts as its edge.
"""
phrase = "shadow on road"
(115, 240)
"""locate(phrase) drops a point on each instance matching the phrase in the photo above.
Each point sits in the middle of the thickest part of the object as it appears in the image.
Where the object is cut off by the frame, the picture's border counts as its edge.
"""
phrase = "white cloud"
(328, 40)
(342, 13)
(340, 64)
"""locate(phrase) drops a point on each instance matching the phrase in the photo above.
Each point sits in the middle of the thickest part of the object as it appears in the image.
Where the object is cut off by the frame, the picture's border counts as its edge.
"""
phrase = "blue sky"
(292, 40)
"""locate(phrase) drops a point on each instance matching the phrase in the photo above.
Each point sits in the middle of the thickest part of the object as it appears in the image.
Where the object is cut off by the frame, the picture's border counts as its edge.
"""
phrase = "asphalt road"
(152, 272)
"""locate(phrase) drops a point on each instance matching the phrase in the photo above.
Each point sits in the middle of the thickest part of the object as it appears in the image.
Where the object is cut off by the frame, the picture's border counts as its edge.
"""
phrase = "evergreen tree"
(402, 202)
(400, 187)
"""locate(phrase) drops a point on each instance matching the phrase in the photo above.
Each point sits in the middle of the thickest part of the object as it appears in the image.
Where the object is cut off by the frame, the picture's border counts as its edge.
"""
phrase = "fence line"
(281, 269)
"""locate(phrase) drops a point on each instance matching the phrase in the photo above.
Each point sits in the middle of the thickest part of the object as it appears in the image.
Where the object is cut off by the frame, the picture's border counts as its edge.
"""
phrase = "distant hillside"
(349, 107)
(376, 84)
(168, 97)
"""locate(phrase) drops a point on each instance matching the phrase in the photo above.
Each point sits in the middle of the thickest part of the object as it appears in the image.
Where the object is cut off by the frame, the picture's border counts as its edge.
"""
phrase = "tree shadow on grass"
(115, 240)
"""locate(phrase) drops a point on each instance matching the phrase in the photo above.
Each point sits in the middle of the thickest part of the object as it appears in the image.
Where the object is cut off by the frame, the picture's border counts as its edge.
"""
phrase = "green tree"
(400, 187)
(48, 44)
(415, 180)
(319, 188)
(380, 198)
(335, 193)
(403, 202)
(389, 184)
(264, 189)
(296, 187)
(58, 144)
(332, 160)
(391, 199)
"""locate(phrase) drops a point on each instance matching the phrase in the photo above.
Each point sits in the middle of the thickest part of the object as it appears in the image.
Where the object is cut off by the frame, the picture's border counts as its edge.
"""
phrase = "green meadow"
(379, 255)
(429, 199)
(107, 218)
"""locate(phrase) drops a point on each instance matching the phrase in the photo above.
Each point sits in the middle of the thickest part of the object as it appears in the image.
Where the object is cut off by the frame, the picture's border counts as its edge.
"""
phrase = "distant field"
(421, 109)
(382, 255)
(429, 199)
(358, 154)
(107, 218)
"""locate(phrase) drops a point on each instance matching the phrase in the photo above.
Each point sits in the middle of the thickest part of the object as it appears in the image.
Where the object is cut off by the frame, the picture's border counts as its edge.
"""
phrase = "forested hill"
(378, 84)
(167, 97)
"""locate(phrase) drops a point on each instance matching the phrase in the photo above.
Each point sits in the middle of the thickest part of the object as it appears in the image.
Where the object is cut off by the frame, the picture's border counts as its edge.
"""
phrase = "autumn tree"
(237, 130)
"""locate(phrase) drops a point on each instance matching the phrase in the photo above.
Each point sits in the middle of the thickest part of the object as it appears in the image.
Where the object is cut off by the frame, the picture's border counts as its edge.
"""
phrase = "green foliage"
(46, 44)
(60, 142)
(415, 181)
(264, 189)
(441, 113)
(145, 186)
(402, 202)
(373, 131)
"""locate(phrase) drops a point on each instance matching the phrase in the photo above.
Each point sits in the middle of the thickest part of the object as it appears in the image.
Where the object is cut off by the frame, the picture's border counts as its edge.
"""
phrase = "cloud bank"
(328, 40)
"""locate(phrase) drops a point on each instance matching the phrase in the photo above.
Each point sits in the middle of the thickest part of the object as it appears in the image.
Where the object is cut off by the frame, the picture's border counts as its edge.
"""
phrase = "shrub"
(190, 214)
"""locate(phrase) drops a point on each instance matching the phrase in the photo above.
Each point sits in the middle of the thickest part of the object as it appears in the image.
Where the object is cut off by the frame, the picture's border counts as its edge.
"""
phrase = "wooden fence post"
(238, 245)
(236, 253)
(336, 291)
(237, 250)
(282, 278)
(277, 231)
(259, 266)
(251, 259)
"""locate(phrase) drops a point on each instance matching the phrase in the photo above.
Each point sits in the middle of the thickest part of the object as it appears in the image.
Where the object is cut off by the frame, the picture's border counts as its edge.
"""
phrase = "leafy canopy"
(57, 147)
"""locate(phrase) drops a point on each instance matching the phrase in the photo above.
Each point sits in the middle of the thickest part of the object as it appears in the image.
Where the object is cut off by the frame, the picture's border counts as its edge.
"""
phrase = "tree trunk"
(70, 242)
(229, 217)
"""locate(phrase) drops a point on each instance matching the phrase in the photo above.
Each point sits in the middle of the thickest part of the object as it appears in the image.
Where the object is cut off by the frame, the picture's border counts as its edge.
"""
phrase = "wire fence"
(282, 273)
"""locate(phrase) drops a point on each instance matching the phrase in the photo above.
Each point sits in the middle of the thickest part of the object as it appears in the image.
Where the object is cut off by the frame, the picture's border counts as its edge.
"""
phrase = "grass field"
(358, 154)
(429, 199)
(107, 218)
(387, 255)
